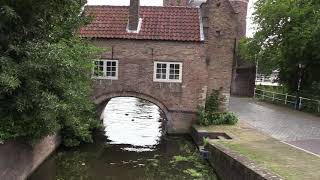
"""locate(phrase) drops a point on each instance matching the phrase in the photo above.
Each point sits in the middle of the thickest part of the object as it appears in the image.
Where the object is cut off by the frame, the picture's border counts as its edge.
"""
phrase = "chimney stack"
(133, 15)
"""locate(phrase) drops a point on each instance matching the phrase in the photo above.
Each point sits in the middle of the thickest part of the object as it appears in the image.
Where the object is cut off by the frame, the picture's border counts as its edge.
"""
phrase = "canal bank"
(229, 165)
(18, 159)
(263, 151)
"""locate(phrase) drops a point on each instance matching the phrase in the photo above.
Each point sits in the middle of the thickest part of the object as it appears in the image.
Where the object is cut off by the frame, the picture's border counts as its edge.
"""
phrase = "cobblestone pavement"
(293, 127)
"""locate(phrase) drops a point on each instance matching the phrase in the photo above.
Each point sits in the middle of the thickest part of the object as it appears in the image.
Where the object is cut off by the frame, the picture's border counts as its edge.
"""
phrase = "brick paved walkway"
(293, 127)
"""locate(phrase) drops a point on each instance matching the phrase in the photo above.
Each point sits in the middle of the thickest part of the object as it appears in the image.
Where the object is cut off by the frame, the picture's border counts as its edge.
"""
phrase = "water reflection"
(134, 122)
(128, 150)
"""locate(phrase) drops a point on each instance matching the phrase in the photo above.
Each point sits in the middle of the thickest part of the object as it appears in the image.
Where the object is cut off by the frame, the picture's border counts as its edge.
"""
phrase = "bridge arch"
(102, 100)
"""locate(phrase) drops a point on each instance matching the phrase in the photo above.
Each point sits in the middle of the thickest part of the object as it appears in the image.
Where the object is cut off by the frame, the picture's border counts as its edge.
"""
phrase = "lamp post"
(257, 67)
(298, 103)
(257, 64)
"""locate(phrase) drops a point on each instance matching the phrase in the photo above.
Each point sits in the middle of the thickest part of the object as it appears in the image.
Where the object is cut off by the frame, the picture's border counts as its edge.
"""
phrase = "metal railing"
(300, 103)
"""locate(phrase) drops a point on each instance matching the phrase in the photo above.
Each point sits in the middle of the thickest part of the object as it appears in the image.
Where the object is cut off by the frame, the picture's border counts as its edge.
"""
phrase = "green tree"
(45, 71)
(288, 34)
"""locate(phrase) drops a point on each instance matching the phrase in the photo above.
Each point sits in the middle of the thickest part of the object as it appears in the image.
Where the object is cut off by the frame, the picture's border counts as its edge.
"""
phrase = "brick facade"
(207, 65)
(240, 9)
(220, 34)
(136, 65)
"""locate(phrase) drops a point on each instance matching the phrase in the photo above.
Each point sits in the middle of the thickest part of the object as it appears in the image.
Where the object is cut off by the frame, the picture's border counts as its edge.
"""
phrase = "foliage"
(179, 158)
(205, 141)
(193, 173)
(202, 117)
(218, 118)
(249, 51)
(288, 34)
(70, 165)
(230, 118)
(190, 164)
(277, 89)
(213, 102)
(211, 115)
(44, 71)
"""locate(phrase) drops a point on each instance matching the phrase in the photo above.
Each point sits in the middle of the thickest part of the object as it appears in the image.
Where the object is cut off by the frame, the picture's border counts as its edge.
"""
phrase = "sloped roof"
(158, 23)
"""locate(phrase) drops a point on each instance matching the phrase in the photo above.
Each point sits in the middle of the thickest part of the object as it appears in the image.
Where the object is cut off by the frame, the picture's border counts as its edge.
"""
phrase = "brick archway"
(103, 100)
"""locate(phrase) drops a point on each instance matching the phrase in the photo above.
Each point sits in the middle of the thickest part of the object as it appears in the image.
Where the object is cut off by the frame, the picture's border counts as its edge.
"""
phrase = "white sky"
(125, 2)
(250, 27)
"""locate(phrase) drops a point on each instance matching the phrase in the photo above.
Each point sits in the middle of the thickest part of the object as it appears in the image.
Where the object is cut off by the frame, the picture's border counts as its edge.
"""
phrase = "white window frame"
(168, 63)
(104, 76)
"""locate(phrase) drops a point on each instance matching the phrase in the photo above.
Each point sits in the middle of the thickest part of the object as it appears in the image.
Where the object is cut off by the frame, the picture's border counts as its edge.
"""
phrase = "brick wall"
(224, 24)
(136, 66)
(220, 35)
(240, 9)
(206, 66)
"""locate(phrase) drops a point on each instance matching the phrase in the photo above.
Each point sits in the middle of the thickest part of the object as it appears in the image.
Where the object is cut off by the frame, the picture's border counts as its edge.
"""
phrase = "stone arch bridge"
(134, 68)
(103, 100)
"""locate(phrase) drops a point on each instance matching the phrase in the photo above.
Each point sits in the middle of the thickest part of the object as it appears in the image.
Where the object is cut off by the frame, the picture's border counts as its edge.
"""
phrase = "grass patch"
(284, 160)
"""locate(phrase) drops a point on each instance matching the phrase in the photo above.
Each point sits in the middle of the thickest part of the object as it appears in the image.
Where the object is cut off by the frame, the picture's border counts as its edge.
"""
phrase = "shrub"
(205, 141)
(210, 115)
(230, 118)
(202, 117)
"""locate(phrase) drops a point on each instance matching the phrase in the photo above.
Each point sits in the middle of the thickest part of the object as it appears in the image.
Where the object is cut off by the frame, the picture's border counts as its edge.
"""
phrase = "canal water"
(132, 147)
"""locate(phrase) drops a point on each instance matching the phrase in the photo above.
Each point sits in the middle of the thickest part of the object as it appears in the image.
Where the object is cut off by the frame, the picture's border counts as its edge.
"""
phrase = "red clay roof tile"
(158, 23)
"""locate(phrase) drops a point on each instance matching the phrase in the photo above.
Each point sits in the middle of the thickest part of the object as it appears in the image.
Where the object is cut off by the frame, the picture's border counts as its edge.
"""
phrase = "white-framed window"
(105, 69)
(167, 71)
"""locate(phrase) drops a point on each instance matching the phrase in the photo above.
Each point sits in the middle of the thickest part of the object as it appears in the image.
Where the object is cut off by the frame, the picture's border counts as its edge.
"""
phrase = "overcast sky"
(125, 2)
(250, 30)
(250, 26)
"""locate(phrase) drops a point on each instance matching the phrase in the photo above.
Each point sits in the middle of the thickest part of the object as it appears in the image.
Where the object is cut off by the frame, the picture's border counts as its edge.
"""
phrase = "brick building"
(172, 56)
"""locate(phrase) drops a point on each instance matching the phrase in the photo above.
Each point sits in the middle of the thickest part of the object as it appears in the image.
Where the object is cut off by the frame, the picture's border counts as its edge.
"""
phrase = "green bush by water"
(211, 115)
(217, 118)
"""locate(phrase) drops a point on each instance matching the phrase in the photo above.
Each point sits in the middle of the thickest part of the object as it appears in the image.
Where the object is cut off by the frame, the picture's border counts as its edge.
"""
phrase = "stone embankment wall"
(232, 166)
(18, 160)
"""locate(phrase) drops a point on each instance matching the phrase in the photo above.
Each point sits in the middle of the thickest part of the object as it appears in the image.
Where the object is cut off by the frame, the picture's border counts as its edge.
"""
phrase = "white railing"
(299, 103)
